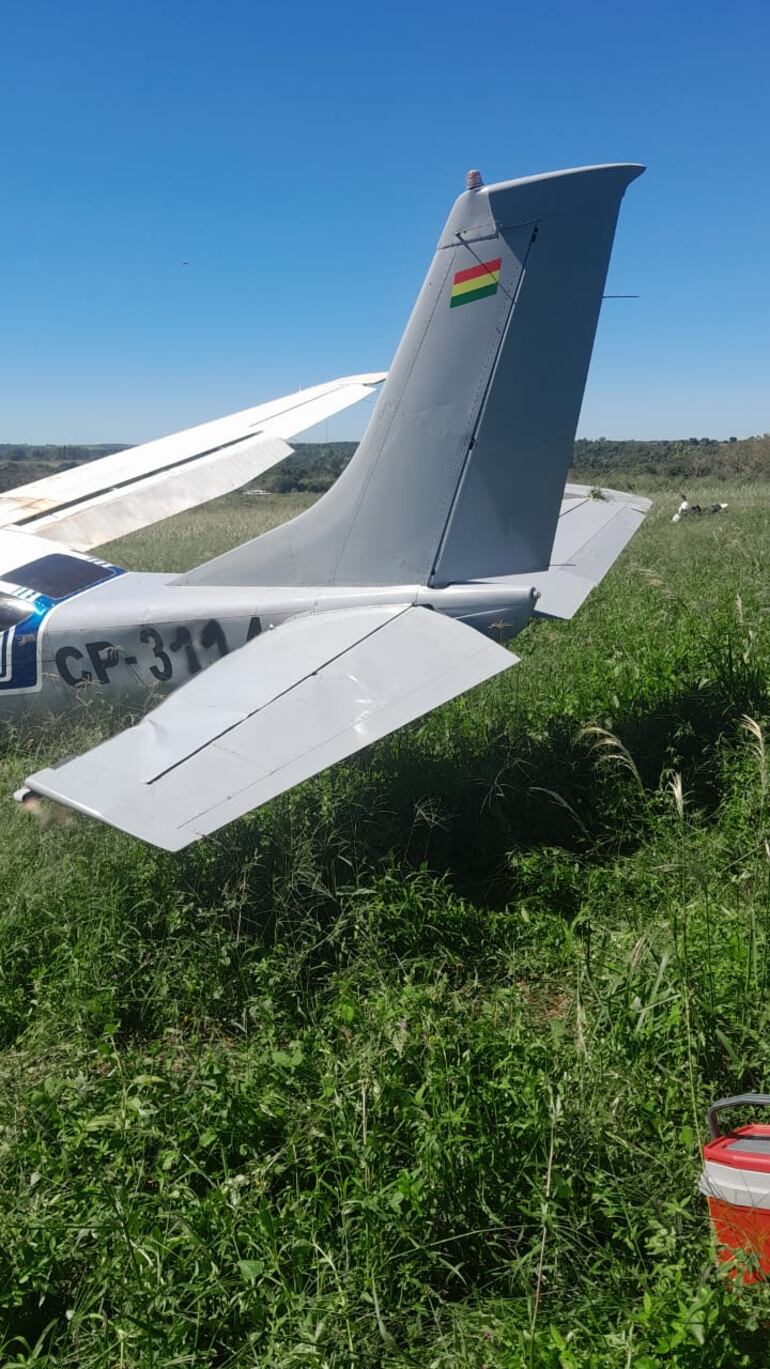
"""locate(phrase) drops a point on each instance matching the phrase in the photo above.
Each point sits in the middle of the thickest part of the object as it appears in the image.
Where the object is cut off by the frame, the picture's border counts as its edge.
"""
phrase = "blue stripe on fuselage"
(22, 641)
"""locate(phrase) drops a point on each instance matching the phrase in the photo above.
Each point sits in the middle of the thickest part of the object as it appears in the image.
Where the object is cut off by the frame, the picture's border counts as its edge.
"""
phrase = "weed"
(410, 1067)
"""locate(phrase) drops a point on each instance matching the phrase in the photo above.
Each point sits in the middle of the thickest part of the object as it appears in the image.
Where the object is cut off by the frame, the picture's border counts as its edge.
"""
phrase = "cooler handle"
(756, 1099)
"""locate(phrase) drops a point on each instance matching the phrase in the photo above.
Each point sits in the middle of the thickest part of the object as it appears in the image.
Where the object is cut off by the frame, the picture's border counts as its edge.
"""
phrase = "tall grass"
(411, 1067)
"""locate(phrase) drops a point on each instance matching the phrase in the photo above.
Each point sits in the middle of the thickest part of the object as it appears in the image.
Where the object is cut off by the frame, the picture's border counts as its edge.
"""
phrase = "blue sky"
(302, 158)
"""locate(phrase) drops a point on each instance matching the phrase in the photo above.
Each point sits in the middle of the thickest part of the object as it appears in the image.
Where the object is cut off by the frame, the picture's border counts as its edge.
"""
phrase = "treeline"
(315, 466)
(705, 458)
(52, 454)
(20, 463)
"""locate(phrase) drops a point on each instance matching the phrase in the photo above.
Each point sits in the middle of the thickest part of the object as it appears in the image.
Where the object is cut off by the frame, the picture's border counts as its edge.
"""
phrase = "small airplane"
(449, 529)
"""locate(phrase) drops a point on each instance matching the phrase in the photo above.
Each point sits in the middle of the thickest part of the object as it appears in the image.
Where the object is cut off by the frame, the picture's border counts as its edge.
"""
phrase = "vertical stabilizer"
(461, 470)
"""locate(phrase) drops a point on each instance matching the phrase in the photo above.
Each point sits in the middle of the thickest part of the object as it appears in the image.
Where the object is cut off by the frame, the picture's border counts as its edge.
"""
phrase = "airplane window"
(12, 611)
(57, 575)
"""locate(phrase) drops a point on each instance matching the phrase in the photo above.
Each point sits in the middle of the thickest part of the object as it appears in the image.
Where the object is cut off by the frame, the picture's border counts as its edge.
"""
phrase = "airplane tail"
(461, 471)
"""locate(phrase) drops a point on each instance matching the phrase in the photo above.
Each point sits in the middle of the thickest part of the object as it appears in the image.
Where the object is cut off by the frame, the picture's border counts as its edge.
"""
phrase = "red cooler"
(736, 1182)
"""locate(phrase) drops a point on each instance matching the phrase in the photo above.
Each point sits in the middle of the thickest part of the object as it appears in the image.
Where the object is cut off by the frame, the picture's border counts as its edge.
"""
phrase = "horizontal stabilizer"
(593, 528)
(282, 708)
(101, 500)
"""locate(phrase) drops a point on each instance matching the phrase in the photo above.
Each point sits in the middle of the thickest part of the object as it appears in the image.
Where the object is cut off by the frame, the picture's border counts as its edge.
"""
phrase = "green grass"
(189, 538)
(410, 1068)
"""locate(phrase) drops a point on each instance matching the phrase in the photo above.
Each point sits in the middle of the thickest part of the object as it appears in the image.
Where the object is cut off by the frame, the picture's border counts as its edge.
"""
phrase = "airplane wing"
(280, 709)
(101, 500)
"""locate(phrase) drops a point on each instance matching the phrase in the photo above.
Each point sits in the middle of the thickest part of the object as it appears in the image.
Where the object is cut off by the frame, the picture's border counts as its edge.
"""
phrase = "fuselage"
(73, 627)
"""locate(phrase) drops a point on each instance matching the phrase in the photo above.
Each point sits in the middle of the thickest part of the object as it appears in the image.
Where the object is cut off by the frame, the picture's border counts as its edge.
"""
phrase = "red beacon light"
(736, 1183)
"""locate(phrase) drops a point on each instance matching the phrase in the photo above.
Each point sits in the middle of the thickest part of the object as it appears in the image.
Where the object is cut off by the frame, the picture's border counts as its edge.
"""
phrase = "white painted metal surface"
(588, 515)
(282, 708)
(590, 535)
(740, 1187)
(17, 548)
(117, 512)
(117, 494)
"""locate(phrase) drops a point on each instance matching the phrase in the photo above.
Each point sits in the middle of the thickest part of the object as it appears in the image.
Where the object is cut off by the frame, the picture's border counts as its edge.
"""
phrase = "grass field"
(410, 1068)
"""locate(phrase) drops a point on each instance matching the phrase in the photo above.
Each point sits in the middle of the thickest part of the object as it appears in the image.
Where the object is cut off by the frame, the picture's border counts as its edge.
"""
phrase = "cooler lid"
(745, 1148)
(759, 1144)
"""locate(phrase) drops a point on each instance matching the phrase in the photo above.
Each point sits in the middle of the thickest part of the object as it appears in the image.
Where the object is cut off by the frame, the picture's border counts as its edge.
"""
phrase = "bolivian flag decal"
(476, 282)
